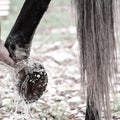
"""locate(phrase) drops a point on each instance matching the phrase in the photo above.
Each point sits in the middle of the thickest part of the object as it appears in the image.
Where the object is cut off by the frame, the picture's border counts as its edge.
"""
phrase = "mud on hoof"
(33, 82)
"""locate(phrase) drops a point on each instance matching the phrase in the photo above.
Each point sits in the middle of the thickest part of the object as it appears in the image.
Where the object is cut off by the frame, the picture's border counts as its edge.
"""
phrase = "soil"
(63, 98)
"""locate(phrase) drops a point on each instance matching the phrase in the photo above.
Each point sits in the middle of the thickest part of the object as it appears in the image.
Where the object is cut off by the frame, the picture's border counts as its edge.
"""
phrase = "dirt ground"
(62, 100)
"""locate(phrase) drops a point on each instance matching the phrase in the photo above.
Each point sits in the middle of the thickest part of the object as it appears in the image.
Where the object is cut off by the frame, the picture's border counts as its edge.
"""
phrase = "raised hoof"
(33, 82)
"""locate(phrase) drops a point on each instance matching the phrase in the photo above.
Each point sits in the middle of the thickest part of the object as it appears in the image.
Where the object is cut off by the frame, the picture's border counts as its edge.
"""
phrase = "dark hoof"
(33, 82)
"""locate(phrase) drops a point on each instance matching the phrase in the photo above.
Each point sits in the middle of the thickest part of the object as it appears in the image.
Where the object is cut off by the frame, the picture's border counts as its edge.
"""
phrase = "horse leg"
(32, 76)
(19, 39)
(91, 112)
(4, 55)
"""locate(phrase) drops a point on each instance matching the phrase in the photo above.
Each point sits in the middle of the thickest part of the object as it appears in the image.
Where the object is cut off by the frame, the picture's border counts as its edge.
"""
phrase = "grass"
(53, 38)
(116, 106)
(59, 15)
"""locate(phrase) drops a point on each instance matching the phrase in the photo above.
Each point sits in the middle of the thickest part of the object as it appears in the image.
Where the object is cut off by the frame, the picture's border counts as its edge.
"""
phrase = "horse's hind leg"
(32, 76)
(4, 55)
(19, 39)
(91, 112)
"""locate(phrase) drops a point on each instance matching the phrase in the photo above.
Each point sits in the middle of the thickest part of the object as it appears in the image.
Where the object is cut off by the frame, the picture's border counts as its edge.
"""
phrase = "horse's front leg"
(19, 40)
(4, 55)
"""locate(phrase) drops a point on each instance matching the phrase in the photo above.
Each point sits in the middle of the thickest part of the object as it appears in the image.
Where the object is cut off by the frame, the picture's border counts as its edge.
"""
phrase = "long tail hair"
(95, 30)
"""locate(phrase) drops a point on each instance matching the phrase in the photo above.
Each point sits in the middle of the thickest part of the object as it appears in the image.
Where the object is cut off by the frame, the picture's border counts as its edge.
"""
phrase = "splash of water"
(32, 80)
(27, 87)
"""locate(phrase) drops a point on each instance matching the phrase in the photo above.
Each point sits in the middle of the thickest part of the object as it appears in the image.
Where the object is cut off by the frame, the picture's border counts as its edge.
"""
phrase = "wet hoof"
(33, 82)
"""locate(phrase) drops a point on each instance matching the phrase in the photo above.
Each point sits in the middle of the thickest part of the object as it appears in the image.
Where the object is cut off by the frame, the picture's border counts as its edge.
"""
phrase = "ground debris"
(62, 99)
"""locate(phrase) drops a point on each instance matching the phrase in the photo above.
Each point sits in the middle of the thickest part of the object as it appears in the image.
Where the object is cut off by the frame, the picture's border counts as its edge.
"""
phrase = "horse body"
(95, 31)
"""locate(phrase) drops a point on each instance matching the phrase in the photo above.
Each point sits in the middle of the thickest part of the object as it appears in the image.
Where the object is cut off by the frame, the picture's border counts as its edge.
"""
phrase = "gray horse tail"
(95, 31)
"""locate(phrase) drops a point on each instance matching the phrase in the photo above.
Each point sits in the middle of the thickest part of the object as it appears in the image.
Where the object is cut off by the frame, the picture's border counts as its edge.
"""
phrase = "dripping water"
(19, 109)
(22, 108)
